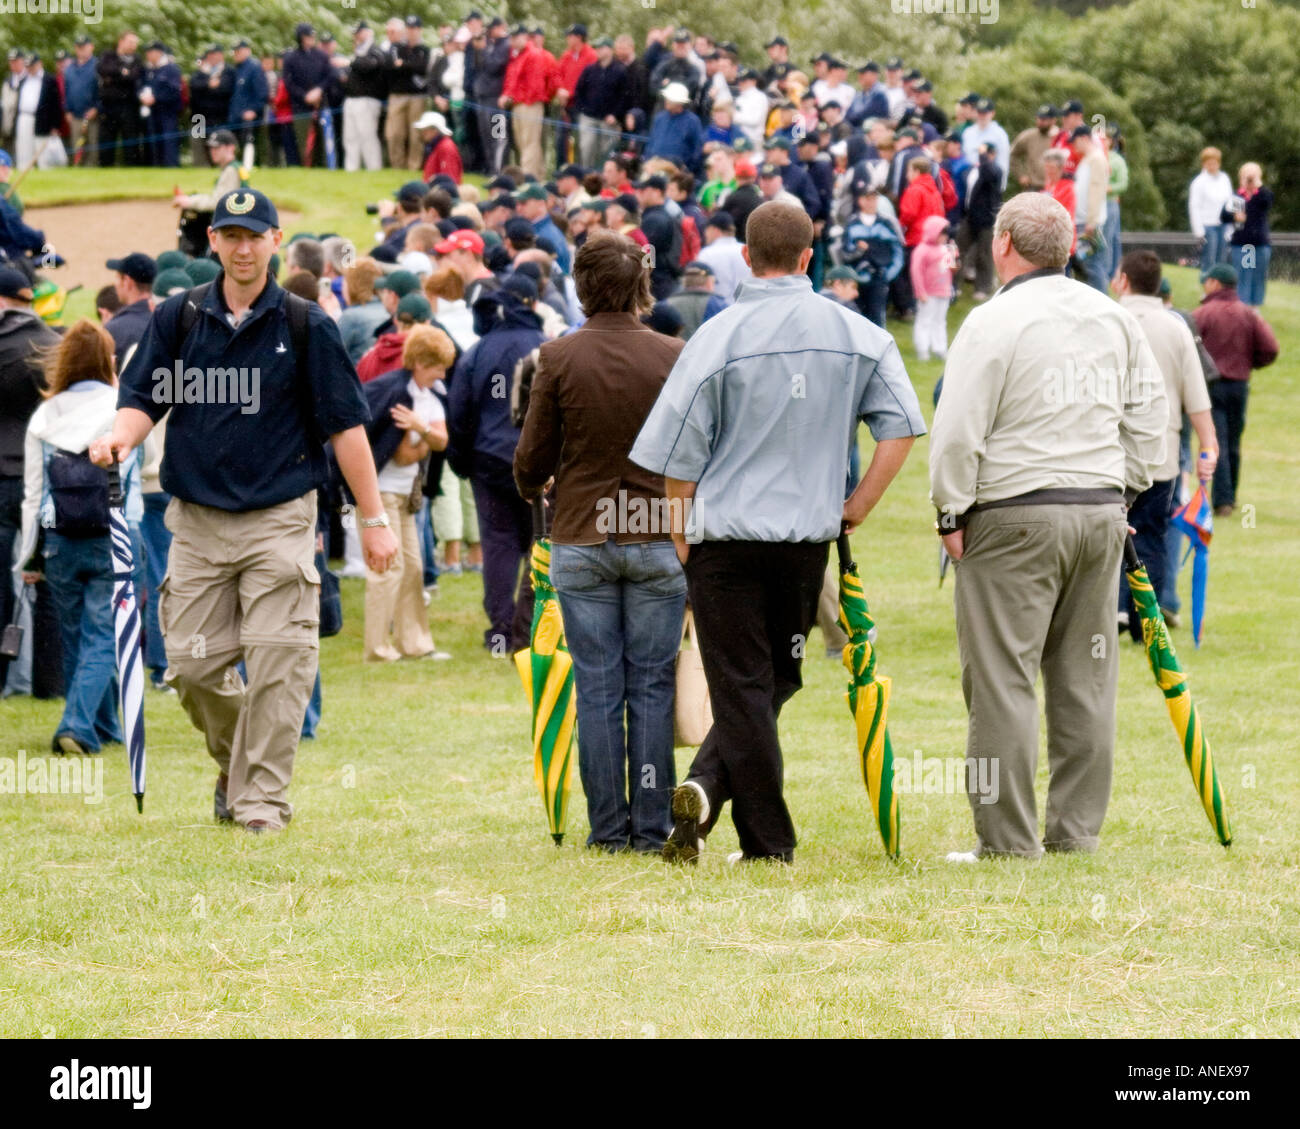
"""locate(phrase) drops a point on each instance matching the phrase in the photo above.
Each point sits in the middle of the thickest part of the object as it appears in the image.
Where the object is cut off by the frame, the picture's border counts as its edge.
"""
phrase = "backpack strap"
(194, 297)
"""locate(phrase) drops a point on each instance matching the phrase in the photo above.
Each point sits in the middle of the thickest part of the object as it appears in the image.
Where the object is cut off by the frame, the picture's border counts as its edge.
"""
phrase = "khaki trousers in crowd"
(1035, 590)
(244, 586)
(404, 149)
(828, 609)
(397, 623)
(452, 512)
(90, 131)
(528, 138)
(361, 134)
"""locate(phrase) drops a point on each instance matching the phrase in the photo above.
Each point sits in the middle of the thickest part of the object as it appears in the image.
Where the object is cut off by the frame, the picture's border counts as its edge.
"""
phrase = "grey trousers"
(1035, 590)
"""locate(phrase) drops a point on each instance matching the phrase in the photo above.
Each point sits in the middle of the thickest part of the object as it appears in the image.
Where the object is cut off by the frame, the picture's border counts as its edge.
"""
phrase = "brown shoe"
(259, 826)
(220, 809)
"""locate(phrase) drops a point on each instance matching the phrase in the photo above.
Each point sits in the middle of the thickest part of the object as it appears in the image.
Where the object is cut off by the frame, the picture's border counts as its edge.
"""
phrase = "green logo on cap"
(238, 203)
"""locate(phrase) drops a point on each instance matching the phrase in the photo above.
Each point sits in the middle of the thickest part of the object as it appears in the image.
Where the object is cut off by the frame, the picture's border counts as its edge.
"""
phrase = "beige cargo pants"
(244, 586)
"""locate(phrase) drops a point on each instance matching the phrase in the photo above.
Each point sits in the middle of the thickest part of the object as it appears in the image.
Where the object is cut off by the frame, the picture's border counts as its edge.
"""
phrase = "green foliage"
(1018, 87)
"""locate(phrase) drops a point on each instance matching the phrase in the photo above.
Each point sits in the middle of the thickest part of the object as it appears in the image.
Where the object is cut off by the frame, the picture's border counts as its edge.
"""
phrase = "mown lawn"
(418, 893)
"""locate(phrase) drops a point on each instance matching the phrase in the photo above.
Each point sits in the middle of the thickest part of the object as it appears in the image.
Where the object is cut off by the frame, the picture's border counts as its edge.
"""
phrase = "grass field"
(417, 892)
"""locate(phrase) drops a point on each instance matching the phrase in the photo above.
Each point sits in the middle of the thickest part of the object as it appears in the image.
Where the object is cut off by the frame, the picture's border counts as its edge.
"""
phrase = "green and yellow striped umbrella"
(547, 673)
(868, 696)
(1173, 684)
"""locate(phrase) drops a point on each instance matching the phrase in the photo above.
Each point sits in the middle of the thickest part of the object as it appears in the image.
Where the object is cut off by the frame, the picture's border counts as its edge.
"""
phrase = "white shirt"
(897, 100)
(29, 93)
(750, 114)
(724, 257)
(1049, 384)
(825, 92)
(993, 134)
(394, 479)
(1206, 198)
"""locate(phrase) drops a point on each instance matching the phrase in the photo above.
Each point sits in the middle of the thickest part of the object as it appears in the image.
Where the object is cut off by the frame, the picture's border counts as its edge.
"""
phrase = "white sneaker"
(353, 571)
(1123, 621)
(734, 858)
(690, 809)
(962, 857)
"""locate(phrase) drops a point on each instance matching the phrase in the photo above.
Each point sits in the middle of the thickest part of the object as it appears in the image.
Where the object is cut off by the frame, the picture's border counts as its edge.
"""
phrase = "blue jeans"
(1110, 232)
(80, 574)
(1094, 266)
(1251, 281)
(873, 297)
(428, 544)
(312, 717)
(622, 607)
(1175, 541)
(1149, 515)
(157, 540)
(1215, 248)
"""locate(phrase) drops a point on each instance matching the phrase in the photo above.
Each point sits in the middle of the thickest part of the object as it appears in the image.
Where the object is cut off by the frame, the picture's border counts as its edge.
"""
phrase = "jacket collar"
(1042, 272)
(1228, 294)
(610, 320)
(214, 302)
(757, 289)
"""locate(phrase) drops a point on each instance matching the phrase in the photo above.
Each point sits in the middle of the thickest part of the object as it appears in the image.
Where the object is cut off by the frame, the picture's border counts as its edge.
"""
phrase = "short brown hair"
(445, 283)
(85, 352)
(304, 284)
(1142, 269)
(427, 345)
(359, 281)
(422, 237)
(438, 200)
(777, 234)
(920, 165)
(610, 275)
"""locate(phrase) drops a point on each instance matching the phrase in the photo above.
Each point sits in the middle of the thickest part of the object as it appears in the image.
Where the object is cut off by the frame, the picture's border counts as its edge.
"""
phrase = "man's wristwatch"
(374, 522)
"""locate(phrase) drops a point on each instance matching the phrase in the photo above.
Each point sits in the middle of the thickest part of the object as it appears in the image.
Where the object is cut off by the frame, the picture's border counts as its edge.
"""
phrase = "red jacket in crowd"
(1234, 334)
(444, 157)
(384, 356)
(529, 77)
(1063, 193)
(571, 65)
(920, 198)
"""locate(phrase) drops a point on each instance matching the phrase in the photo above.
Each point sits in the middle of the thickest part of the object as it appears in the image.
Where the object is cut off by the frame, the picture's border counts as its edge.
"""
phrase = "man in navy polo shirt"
(245, 453)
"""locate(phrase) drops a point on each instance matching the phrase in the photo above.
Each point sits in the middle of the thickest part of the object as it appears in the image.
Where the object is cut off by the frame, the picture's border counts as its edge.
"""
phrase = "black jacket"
(21, 334)
(412, 76)
(212, 103)
(49, 110)
(665, 236)
(740, 203)
(118, 81)
(489, 71)
(985, 195)
(367, 77)
(303, 71)
(603, 90)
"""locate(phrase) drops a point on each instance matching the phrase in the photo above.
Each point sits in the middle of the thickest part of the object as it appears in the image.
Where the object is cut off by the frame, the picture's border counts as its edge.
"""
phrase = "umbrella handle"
(1131, 561)
(845, 553)
(114, 484)
(539, 518)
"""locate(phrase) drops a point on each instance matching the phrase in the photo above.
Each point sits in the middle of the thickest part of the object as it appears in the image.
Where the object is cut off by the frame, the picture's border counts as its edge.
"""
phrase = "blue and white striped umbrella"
(126, 631)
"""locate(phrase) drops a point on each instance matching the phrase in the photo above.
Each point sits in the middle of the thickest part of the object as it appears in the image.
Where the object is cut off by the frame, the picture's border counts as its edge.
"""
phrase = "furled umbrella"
(1173, 684)
(126, 632)
(1196, 519)
(868, 696)
(547, 673)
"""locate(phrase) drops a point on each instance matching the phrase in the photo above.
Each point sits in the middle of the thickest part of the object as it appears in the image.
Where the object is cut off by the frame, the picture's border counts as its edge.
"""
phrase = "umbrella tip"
(559, 839)
(139, 802)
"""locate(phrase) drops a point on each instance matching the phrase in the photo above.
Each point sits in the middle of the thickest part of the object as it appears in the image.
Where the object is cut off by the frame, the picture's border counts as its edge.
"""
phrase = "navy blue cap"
(246, 208)
(412, 190)
(137, 266)
(521, 286)
(15, 284)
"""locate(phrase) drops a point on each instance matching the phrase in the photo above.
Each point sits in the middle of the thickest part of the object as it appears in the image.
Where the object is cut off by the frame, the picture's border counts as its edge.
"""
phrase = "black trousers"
(754, 604)
(119, 136)
(1228, 410)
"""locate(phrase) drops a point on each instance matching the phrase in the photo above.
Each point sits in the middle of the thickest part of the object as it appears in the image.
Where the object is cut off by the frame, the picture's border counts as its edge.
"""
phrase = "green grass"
(417, 892)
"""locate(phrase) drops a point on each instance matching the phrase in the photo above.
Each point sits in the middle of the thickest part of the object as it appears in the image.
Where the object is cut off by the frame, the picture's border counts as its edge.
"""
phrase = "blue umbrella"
(327, 133)
(126, 631)
(1196, 520)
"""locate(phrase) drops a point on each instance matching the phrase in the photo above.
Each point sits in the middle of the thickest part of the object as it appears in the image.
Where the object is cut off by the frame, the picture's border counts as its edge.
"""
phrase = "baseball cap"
(968, 99)
(157, 45)
(576, 29)
(571, 170)
(170, 281)
(894, 64)
(505, 200)
(627, 202)
(502, 181)
(400, 282)
(869, 65)
(653, 181)
(697, 267)
(1224, 273)
(1165, 289)
(137, 266)
(681, 35)
(841, 274)
(985, 106)
(15, 53)
(1080, 131)
(242, 43)
(171, 260)
(6, 160)
(520, 286)
(778, 141)
(246, 208)
(417, 262)
(865, 188)
(469, 241)
(205, 270)
(603, 41)
(776, 41)
(414, 21)
(531, 192)
(302, 30)
(924, 86)
(518, 227)
(431, 119)
(824, 57)
(415, 306)
(222, 137)
(14, 284)
(81, 39)
(912, 75)
(412, 190)
(664, 318)
(745, 167)
(767, 169)
(1073, 106)
(722, 221)
(676, 92)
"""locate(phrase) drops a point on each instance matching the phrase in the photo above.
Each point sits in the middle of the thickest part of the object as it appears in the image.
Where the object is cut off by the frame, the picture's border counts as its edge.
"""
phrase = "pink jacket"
(932, 261)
